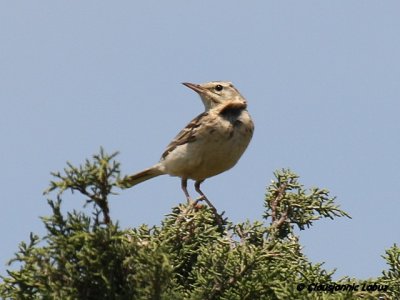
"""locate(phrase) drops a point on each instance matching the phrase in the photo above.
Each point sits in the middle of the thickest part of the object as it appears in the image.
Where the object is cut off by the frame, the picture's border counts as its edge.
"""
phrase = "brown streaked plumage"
(186, 135)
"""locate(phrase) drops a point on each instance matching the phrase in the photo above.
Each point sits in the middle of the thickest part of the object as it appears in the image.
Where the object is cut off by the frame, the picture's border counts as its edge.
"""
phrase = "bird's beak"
(195, 87)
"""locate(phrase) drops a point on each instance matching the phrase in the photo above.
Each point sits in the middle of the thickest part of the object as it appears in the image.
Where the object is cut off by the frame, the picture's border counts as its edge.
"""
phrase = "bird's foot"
(194, 203)
(218, 217)
(201, 198)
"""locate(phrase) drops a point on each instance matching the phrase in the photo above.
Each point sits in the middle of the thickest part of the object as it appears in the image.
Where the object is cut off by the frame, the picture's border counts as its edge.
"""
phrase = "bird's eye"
(219, 87)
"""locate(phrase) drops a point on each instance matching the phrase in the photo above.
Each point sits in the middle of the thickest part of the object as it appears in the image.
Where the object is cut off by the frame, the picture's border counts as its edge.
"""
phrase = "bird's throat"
(233, 108)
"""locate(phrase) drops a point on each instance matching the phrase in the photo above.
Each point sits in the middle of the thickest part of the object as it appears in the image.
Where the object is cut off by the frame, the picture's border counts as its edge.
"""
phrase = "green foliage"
(287, 203)
(189, 256)
(95, 180)
(391, 277)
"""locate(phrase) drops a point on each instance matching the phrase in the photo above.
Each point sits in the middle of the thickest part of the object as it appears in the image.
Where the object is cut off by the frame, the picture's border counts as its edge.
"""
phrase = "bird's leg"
(184, 188)
(203, 197)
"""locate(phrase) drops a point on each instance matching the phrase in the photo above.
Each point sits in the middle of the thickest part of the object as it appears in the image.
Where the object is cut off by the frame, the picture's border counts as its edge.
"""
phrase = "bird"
(210, 144)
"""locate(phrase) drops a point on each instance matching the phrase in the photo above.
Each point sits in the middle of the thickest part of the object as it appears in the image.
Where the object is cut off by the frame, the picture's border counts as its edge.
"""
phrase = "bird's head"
(215, 93)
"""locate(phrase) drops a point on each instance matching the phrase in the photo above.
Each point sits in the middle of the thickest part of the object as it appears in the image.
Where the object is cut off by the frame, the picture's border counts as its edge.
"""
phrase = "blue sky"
(321, 79)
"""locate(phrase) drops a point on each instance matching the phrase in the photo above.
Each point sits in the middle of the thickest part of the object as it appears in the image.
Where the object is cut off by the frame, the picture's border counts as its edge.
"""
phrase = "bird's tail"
(130, 181)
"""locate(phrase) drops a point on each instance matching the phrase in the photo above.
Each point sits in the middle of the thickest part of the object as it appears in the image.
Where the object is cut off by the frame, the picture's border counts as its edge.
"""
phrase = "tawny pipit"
(210, 144)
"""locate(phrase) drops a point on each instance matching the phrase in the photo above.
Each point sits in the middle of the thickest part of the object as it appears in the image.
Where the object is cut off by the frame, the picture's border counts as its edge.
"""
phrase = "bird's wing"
(187, 135)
